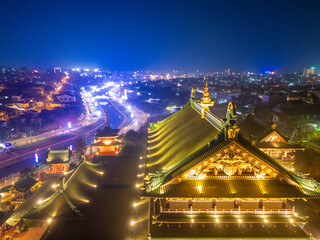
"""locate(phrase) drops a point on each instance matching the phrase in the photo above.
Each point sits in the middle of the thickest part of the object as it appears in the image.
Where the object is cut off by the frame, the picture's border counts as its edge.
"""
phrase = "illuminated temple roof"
(107, 132)
(60, 198)
(233, 188)
(58, 156)
(186, 145)
(178, 136)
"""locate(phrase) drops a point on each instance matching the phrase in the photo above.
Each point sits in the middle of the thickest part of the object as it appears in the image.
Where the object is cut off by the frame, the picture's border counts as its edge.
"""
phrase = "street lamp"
(69, 125)
(36, 157)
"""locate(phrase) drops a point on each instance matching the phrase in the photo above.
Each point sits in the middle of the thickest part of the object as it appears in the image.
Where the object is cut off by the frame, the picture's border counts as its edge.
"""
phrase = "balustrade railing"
(211, 117)
(213, 211)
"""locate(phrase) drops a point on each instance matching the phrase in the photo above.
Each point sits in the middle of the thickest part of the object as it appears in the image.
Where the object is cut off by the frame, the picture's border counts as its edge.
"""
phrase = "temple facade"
(59, 161)
(205, 179)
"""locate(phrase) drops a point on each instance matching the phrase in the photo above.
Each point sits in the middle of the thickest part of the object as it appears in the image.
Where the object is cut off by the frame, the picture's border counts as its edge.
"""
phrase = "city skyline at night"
(208, 36)
(158, 119)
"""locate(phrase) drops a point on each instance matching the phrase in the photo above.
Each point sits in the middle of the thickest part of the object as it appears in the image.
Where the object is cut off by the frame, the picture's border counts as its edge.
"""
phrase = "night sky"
(257, 35)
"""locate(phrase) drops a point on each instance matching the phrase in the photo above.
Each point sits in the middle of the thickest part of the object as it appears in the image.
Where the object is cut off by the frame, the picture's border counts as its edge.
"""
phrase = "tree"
(79, 145)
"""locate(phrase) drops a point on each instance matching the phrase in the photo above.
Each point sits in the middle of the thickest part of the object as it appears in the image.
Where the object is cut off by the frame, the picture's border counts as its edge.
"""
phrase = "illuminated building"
(268, 139)
(205, 179)
(106, 141)
(308, 71)
(59, 161)
(23, 188)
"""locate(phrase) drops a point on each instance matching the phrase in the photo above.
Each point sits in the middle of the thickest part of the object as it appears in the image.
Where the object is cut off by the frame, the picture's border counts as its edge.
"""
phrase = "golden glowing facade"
(205, 101)
(59, 161)
(215, 186)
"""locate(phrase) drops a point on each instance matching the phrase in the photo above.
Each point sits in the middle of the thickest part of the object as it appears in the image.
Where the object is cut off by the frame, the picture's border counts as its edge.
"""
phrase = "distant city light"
(269, 72)
(69, 125)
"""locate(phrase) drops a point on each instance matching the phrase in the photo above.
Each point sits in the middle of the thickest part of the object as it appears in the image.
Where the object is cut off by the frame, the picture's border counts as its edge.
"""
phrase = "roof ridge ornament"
(193, 94)
(274, 122)
(231, 126)
(205, 101)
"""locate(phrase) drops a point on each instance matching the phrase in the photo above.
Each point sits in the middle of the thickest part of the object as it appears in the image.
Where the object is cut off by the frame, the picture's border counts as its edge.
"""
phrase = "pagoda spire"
(206, 101)
(107, 124)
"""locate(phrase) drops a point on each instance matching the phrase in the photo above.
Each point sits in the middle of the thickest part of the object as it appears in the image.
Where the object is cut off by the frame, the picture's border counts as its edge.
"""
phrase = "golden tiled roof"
(237, 187)
(177, 137)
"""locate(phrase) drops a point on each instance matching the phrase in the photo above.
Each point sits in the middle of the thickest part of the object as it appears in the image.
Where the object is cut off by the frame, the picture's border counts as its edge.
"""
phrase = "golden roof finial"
(193, 93)
(206, 98)
(206, 101)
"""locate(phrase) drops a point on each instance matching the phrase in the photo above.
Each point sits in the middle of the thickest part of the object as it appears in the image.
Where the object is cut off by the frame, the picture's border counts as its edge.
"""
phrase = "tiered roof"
(107, 132)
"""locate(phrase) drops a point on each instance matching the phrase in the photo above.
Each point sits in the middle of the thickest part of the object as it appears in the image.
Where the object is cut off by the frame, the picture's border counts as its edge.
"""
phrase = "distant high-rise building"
(227, 71)
(57, 70)
(308, 71)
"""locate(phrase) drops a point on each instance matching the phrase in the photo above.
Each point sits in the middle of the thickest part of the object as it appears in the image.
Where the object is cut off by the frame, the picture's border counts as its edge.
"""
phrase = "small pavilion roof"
(25, 183)
(107, 132)
(58, 156)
